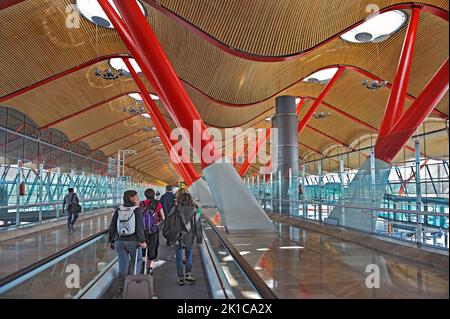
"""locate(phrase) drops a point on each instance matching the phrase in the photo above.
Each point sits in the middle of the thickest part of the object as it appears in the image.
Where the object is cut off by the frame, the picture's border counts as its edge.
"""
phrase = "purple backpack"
(149, 214)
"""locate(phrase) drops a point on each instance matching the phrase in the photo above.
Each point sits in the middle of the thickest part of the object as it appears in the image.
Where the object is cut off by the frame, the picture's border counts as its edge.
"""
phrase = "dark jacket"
(167, 201)
(138, 235)
(70, 198)
(191, 220)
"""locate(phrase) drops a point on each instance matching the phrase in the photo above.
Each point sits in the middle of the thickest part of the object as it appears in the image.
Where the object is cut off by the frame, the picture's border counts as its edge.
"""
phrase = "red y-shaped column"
(318, 101)
(388, 146)
(397, 96)
(186, 169)
(244, 213)
(260, 141)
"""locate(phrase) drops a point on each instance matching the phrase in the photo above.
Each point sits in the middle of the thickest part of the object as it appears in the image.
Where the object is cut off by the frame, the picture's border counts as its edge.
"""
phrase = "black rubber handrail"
(16, 275)
(265, 291)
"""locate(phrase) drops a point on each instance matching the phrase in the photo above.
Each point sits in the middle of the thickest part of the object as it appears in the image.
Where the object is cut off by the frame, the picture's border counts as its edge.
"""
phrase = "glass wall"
(37, 167)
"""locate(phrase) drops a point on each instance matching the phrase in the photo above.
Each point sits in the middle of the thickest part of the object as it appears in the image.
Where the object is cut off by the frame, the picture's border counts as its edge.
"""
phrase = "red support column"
(318, 101)
(260, 141)
(189, 173)
(388, 146)
(145, 48)
(397, 96)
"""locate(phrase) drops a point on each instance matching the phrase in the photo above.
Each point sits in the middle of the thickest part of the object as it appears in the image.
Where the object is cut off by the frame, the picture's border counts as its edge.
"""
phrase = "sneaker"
(150, 271)
(189, 277)
(181, 281)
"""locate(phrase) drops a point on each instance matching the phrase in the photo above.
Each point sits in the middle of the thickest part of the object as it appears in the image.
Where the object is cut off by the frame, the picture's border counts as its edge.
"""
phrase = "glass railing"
(63, 275)
(239, 279)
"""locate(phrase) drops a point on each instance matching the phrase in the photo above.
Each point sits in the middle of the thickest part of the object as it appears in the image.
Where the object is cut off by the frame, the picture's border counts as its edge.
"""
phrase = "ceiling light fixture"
(377, 28)
(321, 115)
(374, 85)
(132, 110)
(320, 77)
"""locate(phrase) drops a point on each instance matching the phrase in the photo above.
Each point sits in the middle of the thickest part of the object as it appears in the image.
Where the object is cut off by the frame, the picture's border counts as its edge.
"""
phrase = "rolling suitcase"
(138, 286)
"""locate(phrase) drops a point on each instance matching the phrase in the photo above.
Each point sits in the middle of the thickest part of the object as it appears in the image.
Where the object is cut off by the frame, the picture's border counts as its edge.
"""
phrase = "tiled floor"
(18, 253)
(303, 264)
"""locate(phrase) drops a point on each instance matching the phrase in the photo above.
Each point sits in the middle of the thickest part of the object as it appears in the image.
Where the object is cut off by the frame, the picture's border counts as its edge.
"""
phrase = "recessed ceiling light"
(321, 76)
(146, 115)
(118, 64)
(268, 119)
(154, 97)
(92, 11)
(378, 28)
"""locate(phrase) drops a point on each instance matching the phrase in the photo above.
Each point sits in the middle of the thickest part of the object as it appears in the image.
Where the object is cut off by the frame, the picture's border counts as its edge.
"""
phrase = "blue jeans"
(179, 260)
(71, 218)
(126, 256)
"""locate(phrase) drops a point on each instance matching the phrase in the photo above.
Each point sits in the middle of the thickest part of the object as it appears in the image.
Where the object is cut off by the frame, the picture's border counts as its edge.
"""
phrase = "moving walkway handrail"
(265, 291)
(27, 269)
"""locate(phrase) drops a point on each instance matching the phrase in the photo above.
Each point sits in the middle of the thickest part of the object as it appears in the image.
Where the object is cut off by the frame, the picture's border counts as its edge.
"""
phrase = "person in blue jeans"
(188, 212)
(126, 235)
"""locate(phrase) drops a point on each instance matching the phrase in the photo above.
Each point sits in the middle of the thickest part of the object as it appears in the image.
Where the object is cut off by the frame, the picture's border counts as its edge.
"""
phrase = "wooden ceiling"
(275, 44)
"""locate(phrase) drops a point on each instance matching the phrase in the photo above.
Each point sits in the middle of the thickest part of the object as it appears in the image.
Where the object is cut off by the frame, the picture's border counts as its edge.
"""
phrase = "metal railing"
(21, 212)
(400, 224)
(237, 267)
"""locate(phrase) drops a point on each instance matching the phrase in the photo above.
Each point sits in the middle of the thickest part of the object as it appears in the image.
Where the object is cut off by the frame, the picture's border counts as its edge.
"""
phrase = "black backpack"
(174, 226)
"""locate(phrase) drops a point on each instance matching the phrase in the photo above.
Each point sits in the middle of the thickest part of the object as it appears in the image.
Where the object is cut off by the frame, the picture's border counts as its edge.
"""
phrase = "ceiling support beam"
(387, 147)
(146, 49)
(100, 129)
(114, 141)
(82, 111)
(397, 96)
(318, 101)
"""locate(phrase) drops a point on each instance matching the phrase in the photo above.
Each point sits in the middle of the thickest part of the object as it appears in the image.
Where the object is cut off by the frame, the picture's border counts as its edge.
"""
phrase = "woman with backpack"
(187, 211)
(153, 215)
(126, 235)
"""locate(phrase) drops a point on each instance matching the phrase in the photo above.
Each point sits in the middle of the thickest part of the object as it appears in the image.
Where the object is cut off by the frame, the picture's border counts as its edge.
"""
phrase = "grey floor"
(165, 277)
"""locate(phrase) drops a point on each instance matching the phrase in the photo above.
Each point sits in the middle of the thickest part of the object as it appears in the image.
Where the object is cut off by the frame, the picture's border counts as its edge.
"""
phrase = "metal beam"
(100, 129)
(318, 101)
(92, 107)
(254, 151)
(114, 141)
(160, 73)
(397, 96)
(387, 147)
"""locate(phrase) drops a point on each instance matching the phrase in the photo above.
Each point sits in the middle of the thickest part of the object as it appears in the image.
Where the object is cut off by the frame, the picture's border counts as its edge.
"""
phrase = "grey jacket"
(191, 220)
(70, 198)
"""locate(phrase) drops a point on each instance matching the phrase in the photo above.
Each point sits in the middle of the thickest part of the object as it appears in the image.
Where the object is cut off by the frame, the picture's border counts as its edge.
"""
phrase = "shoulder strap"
(71, 200)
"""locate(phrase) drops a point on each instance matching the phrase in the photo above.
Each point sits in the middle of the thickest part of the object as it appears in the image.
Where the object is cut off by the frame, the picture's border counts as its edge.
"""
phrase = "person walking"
(191, 221)
(167, 201)
(153, 215)
(73, 208)
(126, 236)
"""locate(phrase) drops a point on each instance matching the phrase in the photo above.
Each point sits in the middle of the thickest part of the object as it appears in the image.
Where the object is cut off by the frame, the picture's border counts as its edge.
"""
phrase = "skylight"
(91, 10)
(378, 28)
(118, 64)
(322, 76)
(137, 97)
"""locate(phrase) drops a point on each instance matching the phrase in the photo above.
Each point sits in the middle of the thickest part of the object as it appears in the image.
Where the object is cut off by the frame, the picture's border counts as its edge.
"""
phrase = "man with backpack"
(167, 201)
(153, 215)
(73, 208)
(126, 235)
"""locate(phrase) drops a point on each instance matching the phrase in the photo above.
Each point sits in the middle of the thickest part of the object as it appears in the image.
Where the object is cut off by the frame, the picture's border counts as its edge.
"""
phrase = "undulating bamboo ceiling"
(277, 44)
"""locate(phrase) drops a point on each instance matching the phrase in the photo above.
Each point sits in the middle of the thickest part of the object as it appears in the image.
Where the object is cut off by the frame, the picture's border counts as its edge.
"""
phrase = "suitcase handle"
(136, 259)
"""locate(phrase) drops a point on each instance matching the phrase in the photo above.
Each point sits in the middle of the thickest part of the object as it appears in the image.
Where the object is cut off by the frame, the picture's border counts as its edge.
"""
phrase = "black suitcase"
(138, 286)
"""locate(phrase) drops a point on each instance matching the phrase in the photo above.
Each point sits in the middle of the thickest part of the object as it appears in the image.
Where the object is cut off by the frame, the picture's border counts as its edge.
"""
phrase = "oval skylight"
(322, 76)
(91, 10)
(138, 97)
(378, 28)
(118, 64)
